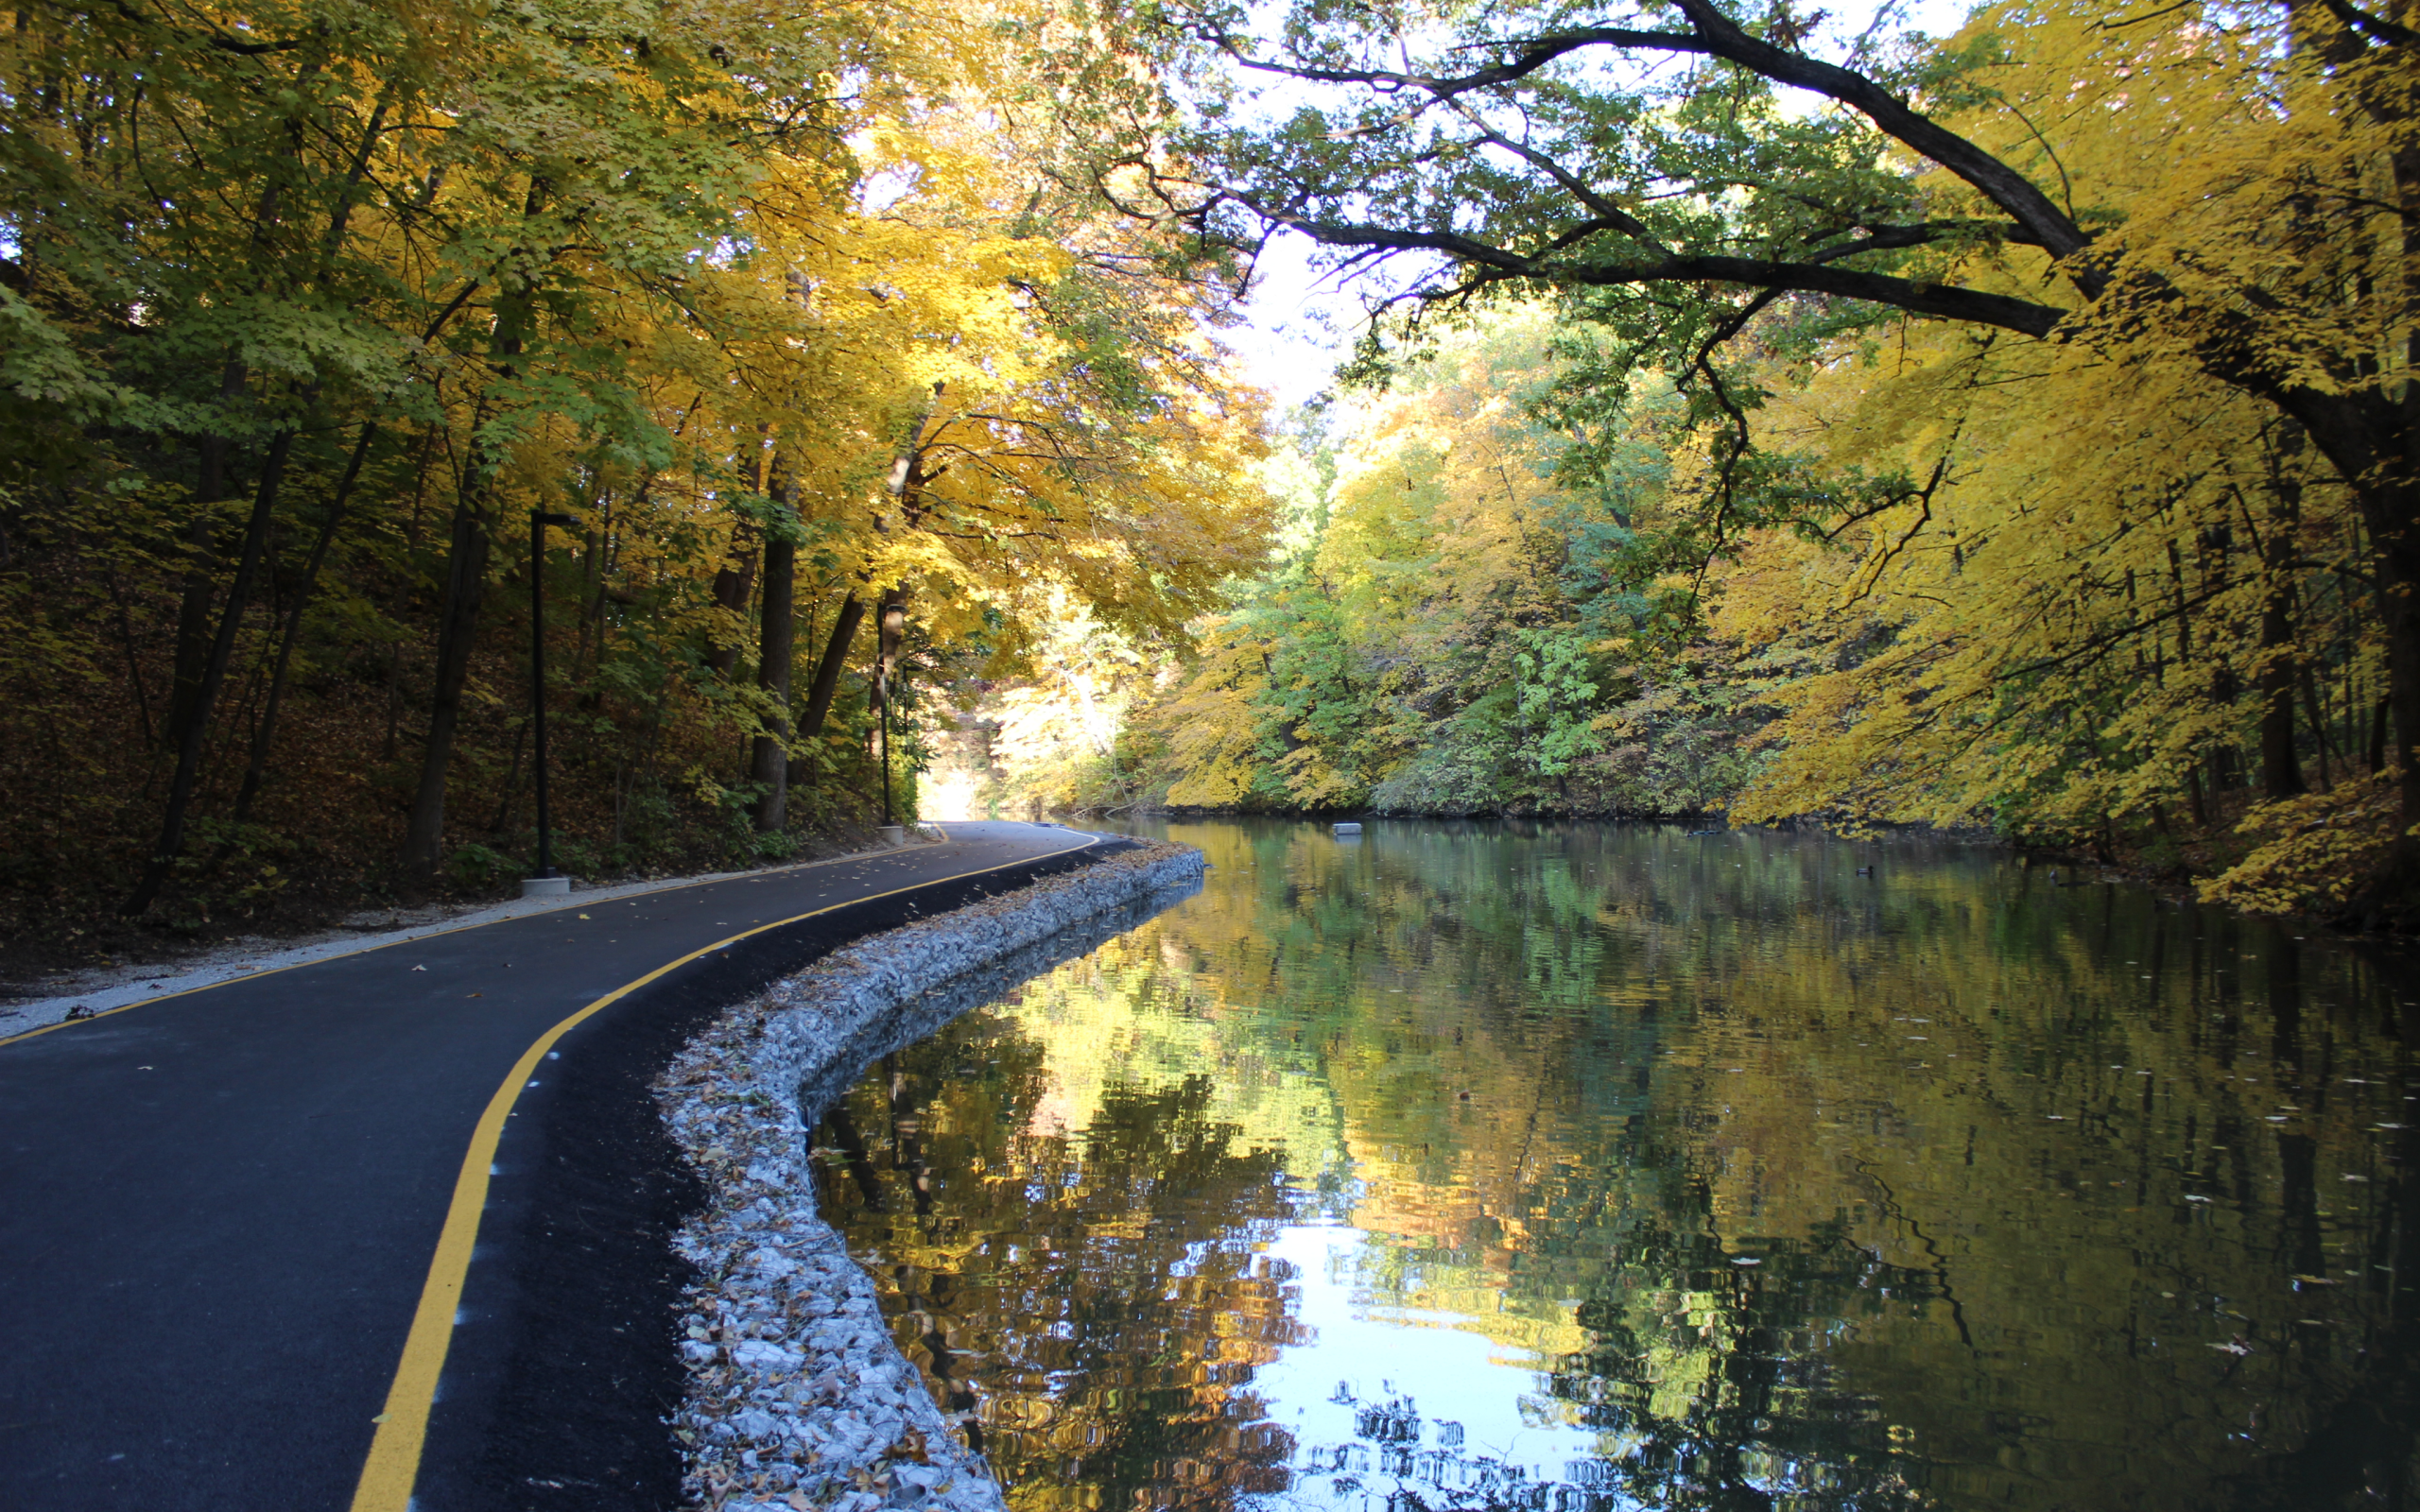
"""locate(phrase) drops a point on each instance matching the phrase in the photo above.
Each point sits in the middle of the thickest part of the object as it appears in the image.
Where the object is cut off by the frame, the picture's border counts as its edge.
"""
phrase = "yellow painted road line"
(393, 1465)
(534, 913)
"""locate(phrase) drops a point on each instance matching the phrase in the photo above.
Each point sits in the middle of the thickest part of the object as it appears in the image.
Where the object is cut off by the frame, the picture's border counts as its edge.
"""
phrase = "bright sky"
(1300, 325)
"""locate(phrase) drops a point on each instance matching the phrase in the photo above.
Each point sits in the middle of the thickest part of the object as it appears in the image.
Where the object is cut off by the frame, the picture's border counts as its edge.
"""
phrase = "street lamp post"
(547, 879)
(884, 695)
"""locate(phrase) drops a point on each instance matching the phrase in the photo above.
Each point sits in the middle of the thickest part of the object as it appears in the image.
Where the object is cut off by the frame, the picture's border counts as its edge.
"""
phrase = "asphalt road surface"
(217, 1211)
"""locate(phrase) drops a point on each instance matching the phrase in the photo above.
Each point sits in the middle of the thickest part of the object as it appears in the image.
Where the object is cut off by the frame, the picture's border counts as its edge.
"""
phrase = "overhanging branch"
(1945, 302)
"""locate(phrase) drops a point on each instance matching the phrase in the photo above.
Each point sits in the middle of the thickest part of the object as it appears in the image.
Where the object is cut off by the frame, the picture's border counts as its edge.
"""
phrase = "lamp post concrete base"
(894, 835)
(546, 886)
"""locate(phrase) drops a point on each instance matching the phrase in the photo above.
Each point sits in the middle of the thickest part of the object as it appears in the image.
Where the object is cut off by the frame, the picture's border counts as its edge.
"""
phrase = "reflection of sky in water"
(1474, 1398)
(1591, 1167)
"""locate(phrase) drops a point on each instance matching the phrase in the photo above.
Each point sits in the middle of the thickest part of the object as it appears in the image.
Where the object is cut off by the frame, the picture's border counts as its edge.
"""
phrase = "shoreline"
(796, 1397)
(2171, 881)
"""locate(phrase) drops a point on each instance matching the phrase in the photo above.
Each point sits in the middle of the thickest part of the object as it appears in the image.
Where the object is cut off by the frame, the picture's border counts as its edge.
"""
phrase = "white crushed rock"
(798, 1397)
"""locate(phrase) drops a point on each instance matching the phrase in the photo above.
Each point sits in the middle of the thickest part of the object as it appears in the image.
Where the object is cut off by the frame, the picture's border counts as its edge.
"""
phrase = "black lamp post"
(539, 521)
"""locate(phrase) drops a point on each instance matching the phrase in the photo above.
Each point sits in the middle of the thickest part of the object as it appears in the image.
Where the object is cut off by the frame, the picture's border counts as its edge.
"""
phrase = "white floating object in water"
(1348, 829)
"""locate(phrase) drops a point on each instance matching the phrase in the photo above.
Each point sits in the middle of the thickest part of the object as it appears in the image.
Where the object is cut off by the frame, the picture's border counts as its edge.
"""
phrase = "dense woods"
(840, 371)
(2011, 429)
(1759, 417)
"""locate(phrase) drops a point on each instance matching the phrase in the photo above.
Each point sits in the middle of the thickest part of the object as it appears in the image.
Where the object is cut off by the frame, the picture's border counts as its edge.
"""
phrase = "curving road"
(219, 1211)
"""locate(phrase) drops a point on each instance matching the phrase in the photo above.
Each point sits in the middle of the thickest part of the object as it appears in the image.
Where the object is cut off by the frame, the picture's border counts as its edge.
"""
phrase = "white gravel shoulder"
(797, 1396)
(82, 993)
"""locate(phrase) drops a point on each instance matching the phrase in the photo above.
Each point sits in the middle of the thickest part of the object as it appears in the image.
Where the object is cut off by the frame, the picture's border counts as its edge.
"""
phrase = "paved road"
(217, 1211)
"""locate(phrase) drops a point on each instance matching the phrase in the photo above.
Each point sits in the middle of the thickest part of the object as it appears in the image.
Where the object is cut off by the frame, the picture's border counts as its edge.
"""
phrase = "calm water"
(1602, 1167)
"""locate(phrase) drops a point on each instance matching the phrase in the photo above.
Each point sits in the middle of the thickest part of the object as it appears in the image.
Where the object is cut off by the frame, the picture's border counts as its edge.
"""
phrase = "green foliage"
(304, 310)
(482, 869)
(1468, 620)
(2037, 448)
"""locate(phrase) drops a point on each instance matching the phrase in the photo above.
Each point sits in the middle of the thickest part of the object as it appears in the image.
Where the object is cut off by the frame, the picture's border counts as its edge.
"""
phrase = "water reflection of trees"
(2080, 1147)
(2021, 1169)
(1705, 1375)
(1091, 1304)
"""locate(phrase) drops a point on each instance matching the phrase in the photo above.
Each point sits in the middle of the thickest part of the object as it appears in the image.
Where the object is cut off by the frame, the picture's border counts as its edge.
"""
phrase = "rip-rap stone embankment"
(797, 1396)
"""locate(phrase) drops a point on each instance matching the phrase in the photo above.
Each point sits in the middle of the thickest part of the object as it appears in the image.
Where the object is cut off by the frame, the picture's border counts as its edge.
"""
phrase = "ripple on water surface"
(1493, 1166)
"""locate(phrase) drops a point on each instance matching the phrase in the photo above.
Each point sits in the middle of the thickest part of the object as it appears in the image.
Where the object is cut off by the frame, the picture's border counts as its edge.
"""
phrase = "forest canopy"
(836, 376)
(1757, 415)
(2007, 429)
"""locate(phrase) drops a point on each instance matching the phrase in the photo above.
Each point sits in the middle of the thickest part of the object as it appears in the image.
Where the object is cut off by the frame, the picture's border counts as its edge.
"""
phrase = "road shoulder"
(107, 989)
(563, 1365)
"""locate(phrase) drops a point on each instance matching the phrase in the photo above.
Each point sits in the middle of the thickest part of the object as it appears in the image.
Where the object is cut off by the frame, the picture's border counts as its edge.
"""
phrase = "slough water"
(1605, 1166)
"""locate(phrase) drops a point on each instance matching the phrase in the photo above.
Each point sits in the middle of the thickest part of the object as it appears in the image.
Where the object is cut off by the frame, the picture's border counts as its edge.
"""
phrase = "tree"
(302, 306)
(1653, 164)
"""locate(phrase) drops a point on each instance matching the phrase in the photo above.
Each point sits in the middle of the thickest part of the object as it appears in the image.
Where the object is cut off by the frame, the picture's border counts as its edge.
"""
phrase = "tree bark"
(2281, 771)
(192, 628)
(2315, 710)
(202, 567)
(826, 684)
(2369, 438)
(256, 767)
(196, 726)
(457, 624)
(466, 582)
(734, 580)
(2225, 690)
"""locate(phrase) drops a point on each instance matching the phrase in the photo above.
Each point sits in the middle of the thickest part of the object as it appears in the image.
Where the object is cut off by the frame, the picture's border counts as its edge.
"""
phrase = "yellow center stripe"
(458, 929)
(388, 1475)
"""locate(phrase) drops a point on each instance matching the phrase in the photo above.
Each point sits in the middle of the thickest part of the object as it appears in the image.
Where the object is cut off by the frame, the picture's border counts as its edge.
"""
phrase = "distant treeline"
(2011, 427)
(1986, 617)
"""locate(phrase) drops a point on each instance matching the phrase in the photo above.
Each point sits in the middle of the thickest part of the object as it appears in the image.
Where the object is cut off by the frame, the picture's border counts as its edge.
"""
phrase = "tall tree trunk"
(199, 680)
(733, 582)
(195, 726)
(457, 624)
(390, 748)
(256, 767)
(201, 569)
(2225, 690)
(820, 692)
(2184, 665)
(2315, 710)
(466, 583)
(769, 765)
(188, 702)
(2372, 438)
(191, 652)
(2281, 771)
(2398, 558)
